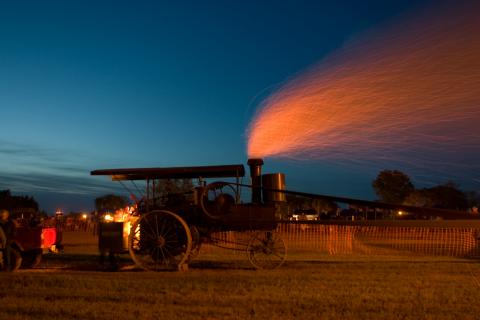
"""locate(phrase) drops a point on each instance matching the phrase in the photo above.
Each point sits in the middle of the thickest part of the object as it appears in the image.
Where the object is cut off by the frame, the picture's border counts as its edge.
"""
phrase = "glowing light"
(124, 215)
(407, 97)
(84, 216)
(400, 213)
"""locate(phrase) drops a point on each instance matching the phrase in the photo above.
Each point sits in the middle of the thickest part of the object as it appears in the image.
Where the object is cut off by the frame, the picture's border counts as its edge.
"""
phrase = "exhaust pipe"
(256, 176)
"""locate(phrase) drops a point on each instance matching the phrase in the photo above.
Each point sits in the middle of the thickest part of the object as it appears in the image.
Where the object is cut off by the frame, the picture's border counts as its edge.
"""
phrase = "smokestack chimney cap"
(255, 162)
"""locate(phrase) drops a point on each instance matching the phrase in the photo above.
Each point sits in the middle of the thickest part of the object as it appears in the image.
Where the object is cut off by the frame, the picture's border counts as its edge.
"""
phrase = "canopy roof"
(223, 171)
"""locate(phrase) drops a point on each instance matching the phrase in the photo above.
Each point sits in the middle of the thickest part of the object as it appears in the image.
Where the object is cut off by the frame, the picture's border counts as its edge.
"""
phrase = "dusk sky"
(90, 85)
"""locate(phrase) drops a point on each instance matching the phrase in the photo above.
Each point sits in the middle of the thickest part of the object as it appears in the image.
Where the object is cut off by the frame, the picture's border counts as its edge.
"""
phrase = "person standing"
(7, 234)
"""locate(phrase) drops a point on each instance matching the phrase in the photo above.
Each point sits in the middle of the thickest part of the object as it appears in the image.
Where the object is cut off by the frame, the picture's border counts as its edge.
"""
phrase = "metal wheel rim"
(166, 242)
(15, 260)
(196, 243)
(265, 253)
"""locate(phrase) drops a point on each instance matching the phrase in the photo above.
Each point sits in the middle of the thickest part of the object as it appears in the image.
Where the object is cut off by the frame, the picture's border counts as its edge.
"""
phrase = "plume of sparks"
(405, 97)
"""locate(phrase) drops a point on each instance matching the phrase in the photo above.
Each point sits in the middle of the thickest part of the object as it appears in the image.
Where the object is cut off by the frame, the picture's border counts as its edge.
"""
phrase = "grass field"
(350, 287)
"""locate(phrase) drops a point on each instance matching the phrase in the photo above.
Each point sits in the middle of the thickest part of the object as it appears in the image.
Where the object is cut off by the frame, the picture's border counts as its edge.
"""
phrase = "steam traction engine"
(167, 229)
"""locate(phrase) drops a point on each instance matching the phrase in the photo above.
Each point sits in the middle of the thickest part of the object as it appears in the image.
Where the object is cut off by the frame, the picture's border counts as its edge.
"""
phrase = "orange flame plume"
(408, 95)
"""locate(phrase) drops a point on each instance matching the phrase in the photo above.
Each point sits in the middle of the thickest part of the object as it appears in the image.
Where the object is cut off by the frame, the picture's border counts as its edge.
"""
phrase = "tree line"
(17, 203)
(395, 187)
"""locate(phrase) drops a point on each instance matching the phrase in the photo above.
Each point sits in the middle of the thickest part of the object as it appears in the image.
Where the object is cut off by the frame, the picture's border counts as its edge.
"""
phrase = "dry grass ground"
(331, 288)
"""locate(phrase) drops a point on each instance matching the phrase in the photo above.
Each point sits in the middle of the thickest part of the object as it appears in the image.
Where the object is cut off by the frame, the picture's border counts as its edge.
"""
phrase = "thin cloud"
(56, 184)
(30, 169)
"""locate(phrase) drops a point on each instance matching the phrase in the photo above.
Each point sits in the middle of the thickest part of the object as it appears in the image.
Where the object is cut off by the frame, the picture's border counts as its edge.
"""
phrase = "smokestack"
(256, 176)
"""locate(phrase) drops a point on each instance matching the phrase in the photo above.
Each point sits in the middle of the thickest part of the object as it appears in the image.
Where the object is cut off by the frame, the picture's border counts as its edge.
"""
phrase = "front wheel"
(160, 240)
(32, 258)
(13, 261)
(196, 243)
(266, 250)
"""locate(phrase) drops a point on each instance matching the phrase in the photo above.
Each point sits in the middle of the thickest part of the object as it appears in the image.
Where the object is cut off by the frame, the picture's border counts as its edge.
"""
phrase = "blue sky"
(98, 84)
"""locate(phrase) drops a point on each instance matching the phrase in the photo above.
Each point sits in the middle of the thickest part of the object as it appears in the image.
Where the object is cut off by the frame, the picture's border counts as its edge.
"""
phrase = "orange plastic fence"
(373, 240)
(365, 240)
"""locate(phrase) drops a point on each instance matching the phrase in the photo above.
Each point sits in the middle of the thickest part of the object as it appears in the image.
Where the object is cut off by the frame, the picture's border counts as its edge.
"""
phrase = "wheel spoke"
(156, 225)
(150, 226)
(164, 260)
(167, 232)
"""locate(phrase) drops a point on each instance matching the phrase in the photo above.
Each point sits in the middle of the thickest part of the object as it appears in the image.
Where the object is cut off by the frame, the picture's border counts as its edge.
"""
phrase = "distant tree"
(43, 214)
(5, 199)
(419, 198)
(323, 206)
(392, 186)
(303, 203)
(166, 186)
(445, 196)
(4, 194)
(296, 202)
(473, 199)
(110, 202)
(172, 191)
(17, 203)
(448, 196)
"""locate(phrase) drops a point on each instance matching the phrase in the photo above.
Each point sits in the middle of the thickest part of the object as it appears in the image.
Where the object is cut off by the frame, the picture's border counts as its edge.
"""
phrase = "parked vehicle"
(305, 215)
(29, 245)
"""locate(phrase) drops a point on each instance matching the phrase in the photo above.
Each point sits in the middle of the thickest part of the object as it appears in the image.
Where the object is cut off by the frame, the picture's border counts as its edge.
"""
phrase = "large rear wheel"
(160, 240)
